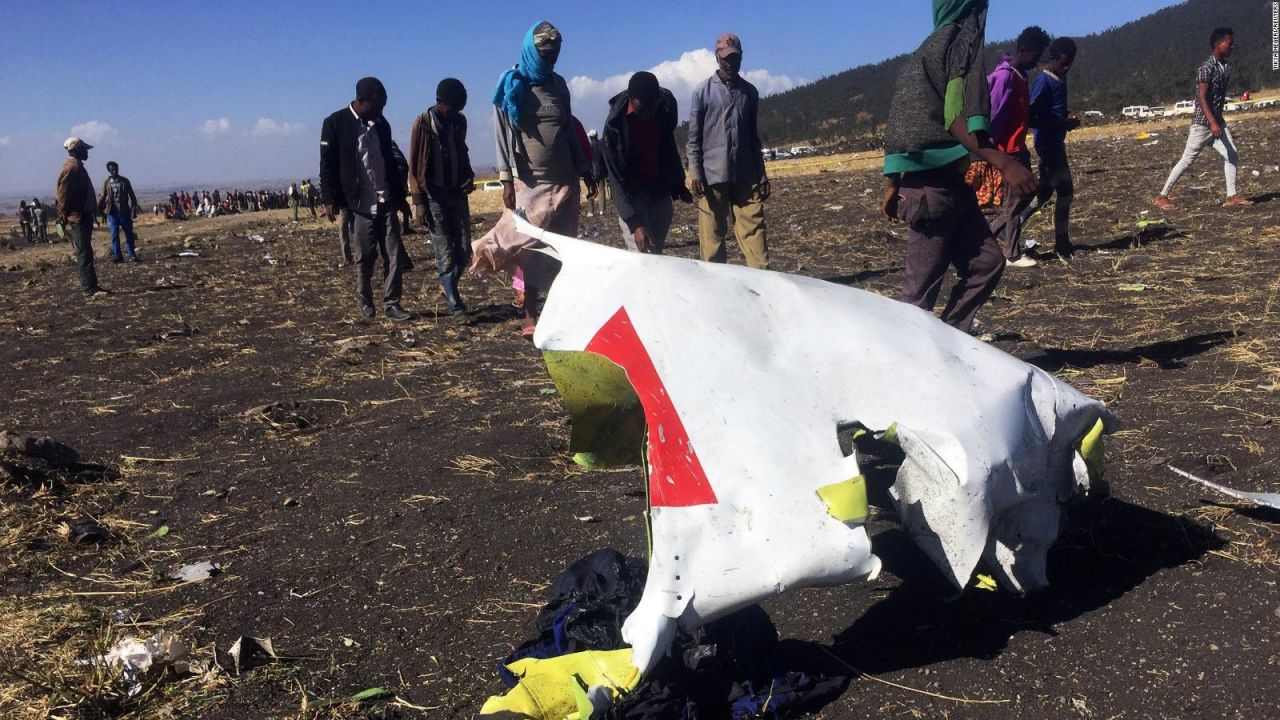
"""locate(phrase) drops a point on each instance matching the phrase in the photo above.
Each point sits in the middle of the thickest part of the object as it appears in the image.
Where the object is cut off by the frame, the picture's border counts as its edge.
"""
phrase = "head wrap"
(532, 70)
(946, 12)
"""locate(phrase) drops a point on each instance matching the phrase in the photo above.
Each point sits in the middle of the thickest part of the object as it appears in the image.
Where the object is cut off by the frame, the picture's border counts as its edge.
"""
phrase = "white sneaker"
(1022, 262)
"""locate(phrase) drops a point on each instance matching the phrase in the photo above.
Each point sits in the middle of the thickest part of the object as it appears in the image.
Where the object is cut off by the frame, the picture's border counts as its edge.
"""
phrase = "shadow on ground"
(1107, 549)
(1168, 354)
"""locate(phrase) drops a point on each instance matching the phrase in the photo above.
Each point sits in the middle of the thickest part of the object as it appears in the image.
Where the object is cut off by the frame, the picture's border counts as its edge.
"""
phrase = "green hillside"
(1148, 61)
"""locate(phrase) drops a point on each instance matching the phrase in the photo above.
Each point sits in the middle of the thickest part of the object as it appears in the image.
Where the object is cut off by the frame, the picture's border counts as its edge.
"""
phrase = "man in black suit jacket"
(358, 173)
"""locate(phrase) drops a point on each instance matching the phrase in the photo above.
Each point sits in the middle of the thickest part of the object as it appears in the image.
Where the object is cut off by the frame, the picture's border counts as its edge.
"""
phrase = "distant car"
(1093, 113)
(804, 150)
(492, 185)
(1157, 111)
(1183, 107)
(1135, 111)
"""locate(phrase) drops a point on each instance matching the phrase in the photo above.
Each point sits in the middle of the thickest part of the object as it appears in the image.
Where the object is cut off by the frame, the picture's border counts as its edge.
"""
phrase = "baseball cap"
(73, 142)
(728, 44)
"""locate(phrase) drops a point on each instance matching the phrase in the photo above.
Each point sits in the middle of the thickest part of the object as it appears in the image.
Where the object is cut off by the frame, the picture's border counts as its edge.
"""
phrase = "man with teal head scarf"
(938, 117)
(539, 159)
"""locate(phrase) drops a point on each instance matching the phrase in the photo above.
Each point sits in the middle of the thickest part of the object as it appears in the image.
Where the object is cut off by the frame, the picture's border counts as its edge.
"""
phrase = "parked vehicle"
(1157, 111)
(492, 185)
(1092, 113)
(804, 150)
(1183, 107)
(1135, 111)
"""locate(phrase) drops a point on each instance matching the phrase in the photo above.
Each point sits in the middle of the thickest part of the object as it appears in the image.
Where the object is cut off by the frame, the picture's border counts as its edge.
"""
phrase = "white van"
(1183, 107)
(1157, 111)
(1135, 111)
(804, 150)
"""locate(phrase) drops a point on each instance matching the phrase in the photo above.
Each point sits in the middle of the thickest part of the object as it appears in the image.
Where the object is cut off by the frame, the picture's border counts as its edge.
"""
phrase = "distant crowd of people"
(956, 138)
(184, 204)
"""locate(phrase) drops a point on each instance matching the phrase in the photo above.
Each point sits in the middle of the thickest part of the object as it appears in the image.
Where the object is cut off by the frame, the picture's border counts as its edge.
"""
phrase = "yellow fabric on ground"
(549, 689)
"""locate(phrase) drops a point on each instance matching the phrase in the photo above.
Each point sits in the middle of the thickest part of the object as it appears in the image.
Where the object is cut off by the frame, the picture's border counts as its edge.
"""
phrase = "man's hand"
(591, 185)
(889, 205)
(331, 212)
(1018, 177)
(765, 190)
(1215, 129)
(643, 241)
(699, 188)
(508, 195)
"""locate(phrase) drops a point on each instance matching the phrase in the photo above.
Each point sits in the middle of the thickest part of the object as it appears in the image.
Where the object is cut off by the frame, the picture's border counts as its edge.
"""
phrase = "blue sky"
(236, 91)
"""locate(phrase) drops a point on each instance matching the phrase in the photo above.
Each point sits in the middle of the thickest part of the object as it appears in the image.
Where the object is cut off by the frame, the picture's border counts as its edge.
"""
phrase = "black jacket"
(617, 142)
(340, 166)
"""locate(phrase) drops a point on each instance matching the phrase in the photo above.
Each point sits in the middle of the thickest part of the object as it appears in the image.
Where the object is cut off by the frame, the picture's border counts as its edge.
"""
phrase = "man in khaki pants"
(725, 161)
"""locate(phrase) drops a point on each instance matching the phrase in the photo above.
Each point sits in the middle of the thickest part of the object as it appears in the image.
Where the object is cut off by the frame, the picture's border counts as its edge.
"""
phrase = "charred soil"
(387, 500)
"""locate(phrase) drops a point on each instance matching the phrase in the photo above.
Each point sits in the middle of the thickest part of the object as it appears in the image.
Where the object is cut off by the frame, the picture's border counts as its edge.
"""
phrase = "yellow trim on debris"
(1092, 451)
(846, 500)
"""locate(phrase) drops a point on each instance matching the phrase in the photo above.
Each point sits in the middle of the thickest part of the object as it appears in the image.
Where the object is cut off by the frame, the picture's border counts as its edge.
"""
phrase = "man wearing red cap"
(725, 161)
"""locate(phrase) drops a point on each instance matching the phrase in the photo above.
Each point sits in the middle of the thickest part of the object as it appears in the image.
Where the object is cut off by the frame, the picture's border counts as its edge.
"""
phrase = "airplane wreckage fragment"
(730, 386)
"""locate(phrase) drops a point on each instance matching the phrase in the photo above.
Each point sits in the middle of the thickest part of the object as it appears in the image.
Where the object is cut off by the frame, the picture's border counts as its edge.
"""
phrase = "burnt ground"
(391, 515)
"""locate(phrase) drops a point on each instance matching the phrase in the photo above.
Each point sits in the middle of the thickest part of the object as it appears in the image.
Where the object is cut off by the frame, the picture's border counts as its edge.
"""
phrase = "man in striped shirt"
(1208, 128)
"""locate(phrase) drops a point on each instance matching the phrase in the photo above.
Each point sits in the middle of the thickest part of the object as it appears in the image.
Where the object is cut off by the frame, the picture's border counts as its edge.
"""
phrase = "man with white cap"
(725, 162)
(77, 205)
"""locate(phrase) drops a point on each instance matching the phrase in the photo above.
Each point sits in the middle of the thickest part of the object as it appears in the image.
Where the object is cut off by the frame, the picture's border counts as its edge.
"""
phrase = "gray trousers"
(378, 236)
(1008, 226)
(653, 213)
(947, 228)
(1198, 139)
(81, 241)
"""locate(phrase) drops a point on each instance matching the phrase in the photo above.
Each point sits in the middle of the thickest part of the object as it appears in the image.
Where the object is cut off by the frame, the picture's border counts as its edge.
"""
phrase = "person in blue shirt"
(1052, 119)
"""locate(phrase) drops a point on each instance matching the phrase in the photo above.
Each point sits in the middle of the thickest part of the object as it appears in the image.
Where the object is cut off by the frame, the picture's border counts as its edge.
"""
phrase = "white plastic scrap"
(136, 658)
(745, 377)
(195, 572)
(1271, 500)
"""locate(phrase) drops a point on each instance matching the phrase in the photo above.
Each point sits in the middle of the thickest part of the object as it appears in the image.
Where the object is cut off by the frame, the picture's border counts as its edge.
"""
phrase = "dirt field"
(387, 501)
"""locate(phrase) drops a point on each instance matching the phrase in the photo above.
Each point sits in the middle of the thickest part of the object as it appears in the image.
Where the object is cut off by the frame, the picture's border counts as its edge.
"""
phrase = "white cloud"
(267, 126)
(213, 127)
(4, 141)
(94, 132)
(591, 96)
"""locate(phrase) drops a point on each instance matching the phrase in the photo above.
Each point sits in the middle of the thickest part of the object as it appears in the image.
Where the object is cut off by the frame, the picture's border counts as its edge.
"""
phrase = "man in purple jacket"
(1010, 104)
